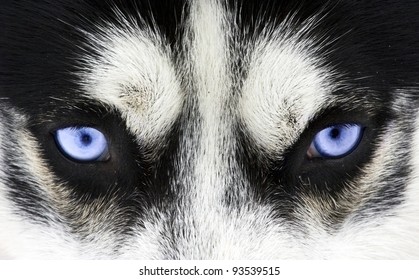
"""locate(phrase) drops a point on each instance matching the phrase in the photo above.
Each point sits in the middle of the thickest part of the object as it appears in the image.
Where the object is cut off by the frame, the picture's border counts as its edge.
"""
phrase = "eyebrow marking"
(285, 87)
(133, 72)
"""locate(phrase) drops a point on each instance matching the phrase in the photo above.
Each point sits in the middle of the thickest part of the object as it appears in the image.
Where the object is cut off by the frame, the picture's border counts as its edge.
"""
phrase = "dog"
(219, 129)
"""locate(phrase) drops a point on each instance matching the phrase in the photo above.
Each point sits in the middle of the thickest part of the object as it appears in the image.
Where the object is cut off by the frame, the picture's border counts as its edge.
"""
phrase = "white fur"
(134, 74)
(284, 89)
(24, 238)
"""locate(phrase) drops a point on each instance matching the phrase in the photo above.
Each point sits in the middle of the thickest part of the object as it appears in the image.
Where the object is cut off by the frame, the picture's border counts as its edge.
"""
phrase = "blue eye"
(336, 141)
(85, 144)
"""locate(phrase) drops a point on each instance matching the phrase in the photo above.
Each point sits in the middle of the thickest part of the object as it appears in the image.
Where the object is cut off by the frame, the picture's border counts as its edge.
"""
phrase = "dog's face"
(209, 129)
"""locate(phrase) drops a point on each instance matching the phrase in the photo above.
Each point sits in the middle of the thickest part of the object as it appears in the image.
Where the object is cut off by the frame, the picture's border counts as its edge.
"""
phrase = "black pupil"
(86, 139)
(334, 133)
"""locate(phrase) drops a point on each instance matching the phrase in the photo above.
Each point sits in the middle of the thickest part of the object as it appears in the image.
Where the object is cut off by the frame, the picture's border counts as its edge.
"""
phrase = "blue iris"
(336, 141)
(84, 144)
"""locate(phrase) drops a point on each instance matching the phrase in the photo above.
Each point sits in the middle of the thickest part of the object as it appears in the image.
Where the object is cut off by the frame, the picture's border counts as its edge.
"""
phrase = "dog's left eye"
(83, 144)
(335, 141)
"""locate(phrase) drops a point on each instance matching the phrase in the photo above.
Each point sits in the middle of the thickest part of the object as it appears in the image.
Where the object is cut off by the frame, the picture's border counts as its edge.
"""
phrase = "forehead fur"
(133, 69)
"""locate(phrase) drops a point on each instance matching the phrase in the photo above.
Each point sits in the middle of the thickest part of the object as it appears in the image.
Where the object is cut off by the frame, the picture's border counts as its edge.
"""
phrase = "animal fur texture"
(209, 110)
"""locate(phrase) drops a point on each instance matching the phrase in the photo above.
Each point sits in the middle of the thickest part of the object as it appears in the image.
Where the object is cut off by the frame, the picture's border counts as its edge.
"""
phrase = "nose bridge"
(209, 52)
(208, 147)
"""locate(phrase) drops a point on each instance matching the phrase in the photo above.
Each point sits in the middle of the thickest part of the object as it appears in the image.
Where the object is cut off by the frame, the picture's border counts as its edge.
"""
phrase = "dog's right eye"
(82, 144)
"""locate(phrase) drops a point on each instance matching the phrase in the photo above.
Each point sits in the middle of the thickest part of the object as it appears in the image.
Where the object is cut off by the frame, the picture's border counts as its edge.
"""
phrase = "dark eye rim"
(296, 172)
(127, 168)
(338, 168)
(331, 157)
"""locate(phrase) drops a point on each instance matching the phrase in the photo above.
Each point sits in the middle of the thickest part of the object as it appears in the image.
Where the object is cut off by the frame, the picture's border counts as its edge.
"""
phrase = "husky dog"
(217, 129)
